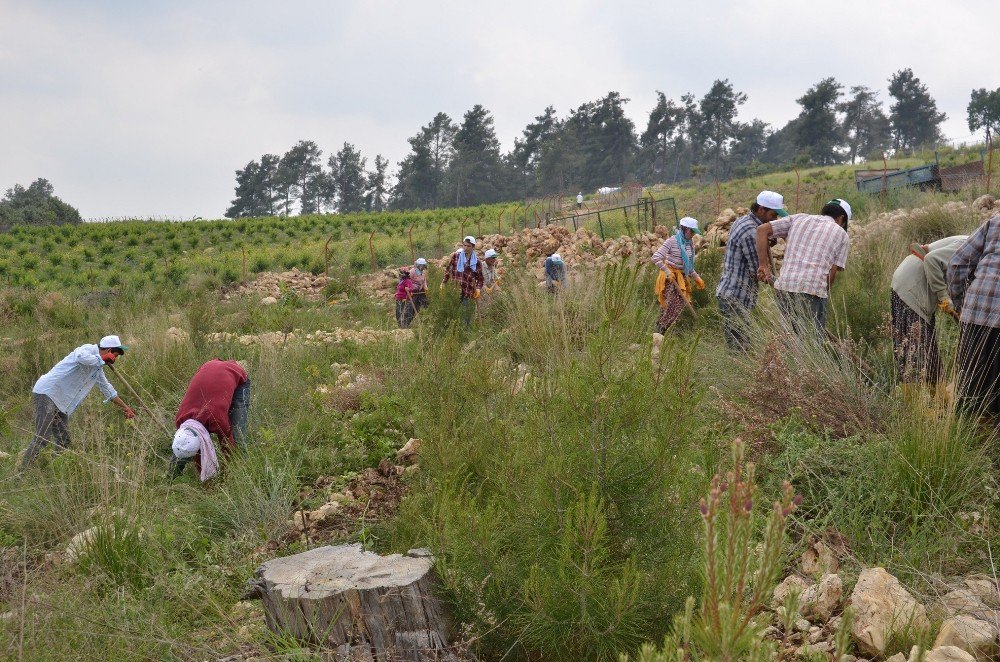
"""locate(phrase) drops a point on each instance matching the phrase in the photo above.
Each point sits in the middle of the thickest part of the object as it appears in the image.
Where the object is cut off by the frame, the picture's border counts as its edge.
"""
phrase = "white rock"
(819, 559)
(942, 654)
(409, 453)
(881, 606)
(268, 301)
(4, 455)
(970, 634)
(785, 588)
(819, 601)
(985, 589)
(898, 657)
(79, 543)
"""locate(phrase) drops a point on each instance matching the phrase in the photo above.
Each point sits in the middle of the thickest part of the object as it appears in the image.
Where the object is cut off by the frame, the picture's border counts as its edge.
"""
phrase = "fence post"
(885, 168)
(244, 249)
(989, 166)
(499, 217)
(798, 187)
(371, 250)
(673, 202)
(412, 254)
(718, 199)
(479, 224)
(599, 223)
(440, 243)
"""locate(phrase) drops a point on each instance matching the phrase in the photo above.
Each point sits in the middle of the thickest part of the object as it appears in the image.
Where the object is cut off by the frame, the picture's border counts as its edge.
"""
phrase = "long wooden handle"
(139, 400)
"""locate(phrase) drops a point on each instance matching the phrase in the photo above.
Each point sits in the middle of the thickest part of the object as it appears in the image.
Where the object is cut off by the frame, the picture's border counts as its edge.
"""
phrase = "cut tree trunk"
(363, 605)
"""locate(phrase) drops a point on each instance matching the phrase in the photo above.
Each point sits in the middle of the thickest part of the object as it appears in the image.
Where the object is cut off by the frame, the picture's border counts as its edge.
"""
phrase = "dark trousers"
(239, 416)
(979, 368)
(804, 313)
(735, 324)
(50, 424)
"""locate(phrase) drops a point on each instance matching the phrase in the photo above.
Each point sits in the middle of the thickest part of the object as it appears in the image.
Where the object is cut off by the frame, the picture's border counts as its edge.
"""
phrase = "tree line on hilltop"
(460, 163)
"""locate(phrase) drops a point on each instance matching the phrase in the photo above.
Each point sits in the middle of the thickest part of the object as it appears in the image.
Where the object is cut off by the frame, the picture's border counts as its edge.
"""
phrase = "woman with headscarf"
(675, 260)
(406, 309)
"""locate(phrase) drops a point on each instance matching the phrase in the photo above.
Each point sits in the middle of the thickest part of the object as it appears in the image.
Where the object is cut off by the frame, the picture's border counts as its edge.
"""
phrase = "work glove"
(475, 295)
(108, 357)
(944, 305)
(699, 283)
(129, 412)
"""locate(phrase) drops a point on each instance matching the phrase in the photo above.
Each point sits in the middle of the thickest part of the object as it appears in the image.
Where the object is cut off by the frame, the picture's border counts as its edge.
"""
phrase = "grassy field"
(561, 469)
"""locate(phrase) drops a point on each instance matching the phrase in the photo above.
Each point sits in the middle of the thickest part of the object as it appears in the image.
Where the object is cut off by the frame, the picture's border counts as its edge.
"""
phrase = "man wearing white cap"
(60, 391)
(816, 251)
(465, 268)
(737, 290)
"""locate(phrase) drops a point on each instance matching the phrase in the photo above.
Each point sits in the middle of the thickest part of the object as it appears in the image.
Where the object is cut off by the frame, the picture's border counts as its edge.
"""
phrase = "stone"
(4, 455)
(79, 544)
(819, 559)
(898, 657)
(268, 301)
(802, 625)
(820, 600)
(942, 654)
(786, 587)
(963, 602)
(984, 202)
(881, 607)
(410, 452)
(809, 651)
(970, 634)
(984, 588)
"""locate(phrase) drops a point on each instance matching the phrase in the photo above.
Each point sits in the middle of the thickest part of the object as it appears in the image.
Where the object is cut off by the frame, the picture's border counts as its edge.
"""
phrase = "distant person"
(60, 391)
(919, 289)
(675, 260)
(217, 402)
(816, 252)
(555, 272)
(491, 279)
(465, 268)
(974, 287)
(737, 290)
(406, 308)
(579, 200)
(418, 274)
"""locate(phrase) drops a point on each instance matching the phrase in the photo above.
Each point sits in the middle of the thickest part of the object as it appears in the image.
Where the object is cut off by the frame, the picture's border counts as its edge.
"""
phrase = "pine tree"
(300, 173)
(914, 115)
(347, 172)
(375, 185)
(984, 111)
(818, 131)
(865, 124)
(474, 174)
(665, 122)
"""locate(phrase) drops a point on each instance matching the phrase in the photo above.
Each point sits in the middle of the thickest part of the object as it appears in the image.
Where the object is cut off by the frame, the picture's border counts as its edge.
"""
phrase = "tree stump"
(365, 606)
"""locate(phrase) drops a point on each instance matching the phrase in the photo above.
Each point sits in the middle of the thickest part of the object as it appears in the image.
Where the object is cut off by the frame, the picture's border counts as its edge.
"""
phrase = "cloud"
(148, 108)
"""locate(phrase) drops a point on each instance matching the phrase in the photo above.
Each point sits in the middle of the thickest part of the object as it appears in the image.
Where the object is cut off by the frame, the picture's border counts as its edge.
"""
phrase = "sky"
(147, 109)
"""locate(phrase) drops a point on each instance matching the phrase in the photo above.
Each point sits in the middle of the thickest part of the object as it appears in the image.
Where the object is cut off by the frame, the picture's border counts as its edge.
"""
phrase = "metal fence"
(641, 216)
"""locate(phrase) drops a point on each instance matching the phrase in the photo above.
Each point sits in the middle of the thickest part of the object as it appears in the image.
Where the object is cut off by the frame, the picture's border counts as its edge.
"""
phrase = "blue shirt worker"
(737, 291)
(60, 391)
(555, 271)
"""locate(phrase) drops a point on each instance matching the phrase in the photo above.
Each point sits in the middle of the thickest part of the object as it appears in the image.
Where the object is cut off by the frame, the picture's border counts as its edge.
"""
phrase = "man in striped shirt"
(816, 251)
(737, 290)
(974, 288)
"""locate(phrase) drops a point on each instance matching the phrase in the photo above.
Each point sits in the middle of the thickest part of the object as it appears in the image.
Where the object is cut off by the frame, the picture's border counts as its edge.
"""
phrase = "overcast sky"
(146, 108)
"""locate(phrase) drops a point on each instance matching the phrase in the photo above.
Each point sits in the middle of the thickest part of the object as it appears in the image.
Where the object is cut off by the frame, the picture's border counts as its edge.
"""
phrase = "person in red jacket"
(218, 398)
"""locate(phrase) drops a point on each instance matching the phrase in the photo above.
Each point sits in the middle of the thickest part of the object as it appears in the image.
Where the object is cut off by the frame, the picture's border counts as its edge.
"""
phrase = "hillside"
(564, 447)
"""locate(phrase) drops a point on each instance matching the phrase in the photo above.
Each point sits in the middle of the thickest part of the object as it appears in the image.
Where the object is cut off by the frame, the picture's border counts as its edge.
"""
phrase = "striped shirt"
(974, 276)
(739, 266)
(669, 254)
(815, 245)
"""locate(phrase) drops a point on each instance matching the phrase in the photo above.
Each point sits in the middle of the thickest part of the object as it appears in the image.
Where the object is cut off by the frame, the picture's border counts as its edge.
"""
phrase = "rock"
(410, 452)
(4, 455)
(819, 601)
(785, 588)
(268, 301)
(942, 654)
(815, 634)
(963, 602)
(809, 651)
(881, 606)
(984, 202)
(79, 543)
(8, 616)
(970, 634)
(177, 335)
(984, 588)
(898, 657)
(819, 559)
(802, 625)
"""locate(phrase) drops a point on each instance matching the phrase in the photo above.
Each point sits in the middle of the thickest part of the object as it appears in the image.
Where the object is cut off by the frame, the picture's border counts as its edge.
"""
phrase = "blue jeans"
(802, 311)
(239, 413)
(735, 324)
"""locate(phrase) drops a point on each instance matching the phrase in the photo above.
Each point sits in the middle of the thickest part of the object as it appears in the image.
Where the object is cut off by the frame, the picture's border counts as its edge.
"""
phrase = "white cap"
(421, 261)
(691, 223)
(112, 342)
(470, 239)
(489, 253)
(556, 257)
(772, 200)
(844, 205)
(186, 444)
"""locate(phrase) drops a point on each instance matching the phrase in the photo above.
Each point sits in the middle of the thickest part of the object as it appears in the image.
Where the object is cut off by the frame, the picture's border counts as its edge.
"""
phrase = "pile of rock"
(884, 614)
(363, 336)
(271, 285)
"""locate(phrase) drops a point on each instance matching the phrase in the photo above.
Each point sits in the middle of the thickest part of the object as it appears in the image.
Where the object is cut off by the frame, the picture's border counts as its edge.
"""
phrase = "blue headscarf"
(684, 244)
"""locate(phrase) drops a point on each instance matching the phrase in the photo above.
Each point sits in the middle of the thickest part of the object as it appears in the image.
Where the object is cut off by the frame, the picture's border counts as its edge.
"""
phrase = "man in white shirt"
(60, 391)
(579, 200)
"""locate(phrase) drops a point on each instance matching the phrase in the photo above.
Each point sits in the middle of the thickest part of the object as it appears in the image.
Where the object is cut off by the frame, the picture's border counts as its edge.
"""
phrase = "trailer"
(931, 176)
